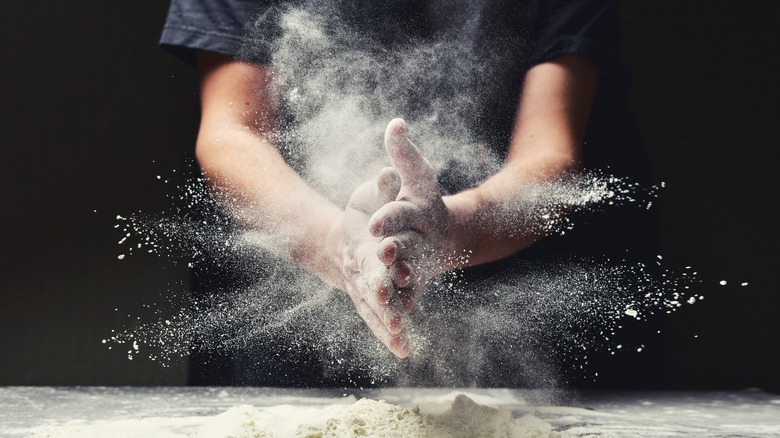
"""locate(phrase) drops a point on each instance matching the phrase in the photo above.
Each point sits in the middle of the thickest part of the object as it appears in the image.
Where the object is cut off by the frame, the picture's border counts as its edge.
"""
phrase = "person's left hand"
(415, 227)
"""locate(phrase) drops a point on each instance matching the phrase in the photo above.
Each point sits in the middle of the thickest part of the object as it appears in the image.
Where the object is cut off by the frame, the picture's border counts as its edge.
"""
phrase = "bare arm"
(548, 133)
(236, 152)
(482, 222)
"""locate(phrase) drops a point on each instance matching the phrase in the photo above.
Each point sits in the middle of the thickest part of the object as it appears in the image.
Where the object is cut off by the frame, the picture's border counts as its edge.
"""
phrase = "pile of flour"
(371, 418)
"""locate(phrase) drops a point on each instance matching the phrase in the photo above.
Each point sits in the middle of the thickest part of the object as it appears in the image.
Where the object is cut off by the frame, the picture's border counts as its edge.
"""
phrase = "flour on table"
(469, 419)
(464, 419)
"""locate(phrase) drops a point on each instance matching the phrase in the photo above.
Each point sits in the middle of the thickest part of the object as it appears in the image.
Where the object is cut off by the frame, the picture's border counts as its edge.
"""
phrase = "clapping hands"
(396, 232)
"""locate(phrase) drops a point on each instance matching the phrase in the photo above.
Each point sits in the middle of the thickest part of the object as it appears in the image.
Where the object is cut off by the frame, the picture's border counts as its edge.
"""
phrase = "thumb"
(372, 195)
(417, 174)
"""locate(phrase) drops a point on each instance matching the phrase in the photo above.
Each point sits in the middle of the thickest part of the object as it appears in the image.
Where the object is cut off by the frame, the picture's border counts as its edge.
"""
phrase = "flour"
(375, 418)
(337, 418)
(467, 419)
(369, 418)
(341, 95)
(237, 422)
(582, 303)
(46, 412)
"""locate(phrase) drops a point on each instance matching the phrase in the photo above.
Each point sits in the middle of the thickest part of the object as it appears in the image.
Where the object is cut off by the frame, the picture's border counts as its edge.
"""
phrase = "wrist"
(458, 244)
(333, 253)
(330, 254)
(320, 251)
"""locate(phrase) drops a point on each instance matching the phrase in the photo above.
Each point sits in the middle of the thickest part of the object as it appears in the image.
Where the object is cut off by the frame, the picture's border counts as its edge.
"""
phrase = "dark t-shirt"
(506, 38)
(502, 40)
(549, 28)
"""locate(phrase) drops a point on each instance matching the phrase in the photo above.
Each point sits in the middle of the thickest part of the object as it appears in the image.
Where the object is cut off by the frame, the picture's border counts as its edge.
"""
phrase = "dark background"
(93, 111)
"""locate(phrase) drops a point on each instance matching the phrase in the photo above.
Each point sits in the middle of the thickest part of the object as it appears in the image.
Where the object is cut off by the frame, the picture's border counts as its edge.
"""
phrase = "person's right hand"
(366, 278)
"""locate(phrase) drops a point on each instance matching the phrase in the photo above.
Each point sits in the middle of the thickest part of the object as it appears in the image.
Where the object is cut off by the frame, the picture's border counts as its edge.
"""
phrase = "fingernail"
(377, 228)
(391, 251)
(397, 323)
(401, 347)
(384, 295)
(399, 125)
(393, 321)
(404, 273)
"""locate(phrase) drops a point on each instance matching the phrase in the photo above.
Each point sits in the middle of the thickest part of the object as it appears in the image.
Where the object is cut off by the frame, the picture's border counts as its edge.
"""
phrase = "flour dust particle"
(570, 308)
(339, 103)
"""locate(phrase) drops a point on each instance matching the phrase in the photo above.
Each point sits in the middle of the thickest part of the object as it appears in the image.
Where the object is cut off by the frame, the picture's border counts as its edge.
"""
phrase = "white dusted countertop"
(182, 411)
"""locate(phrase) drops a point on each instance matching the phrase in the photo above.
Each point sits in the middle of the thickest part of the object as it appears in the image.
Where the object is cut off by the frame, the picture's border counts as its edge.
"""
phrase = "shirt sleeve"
(582, 27)
(213, 25)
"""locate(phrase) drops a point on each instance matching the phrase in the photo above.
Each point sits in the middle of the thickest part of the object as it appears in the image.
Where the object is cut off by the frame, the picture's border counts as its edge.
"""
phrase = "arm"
(548, 133)
(236, 153)
(483, 222)
(259, 189)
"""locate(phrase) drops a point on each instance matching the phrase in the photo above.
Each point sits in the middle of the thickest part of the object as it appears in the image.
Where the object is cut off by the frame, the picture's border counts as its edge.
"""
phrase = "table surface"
(175, 411)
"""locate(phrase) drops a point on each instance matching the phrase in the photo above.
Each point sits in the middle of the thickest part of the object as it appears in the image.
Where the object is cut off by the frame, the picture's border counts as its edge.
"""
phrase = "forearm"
(258, 189)
(262, 193)
(239, 119)
(501, 216)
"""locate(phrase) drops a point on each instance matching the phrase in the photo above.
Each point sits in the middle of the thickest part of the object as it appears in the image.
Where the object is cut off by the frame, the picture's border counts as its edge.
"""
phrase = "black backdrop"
(92, 112)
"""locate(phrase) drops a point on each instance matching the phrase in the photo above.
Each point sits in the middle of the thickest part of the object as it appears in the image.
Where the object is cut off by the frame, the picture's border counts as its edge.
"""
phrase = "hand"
(367, 279)
(416, 225)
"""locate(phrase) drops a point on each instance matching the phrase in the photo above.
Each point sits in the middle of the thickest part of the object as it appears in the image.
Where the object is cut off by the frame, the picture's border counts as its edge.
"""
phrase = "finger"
(363, 198)
(380, 294)
(402, 275)
(405, 245)
(395, 217)
(409, 294)
(388, 184)
(371, 195)
(409, 297)
(387, 251)
(408, 285)
(399, 345)
(417, 174)
(396, 343)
